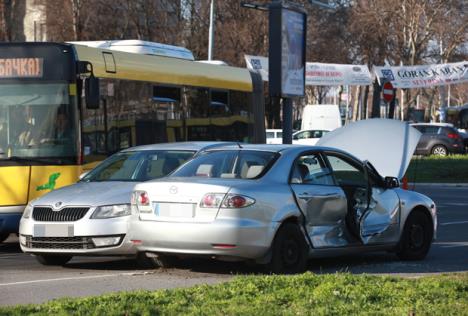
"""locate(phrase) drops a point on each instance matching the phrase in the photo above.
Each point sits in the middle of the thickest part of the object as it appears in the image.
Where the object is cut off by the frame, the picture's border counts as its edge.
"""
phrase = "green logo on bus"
(51, 184)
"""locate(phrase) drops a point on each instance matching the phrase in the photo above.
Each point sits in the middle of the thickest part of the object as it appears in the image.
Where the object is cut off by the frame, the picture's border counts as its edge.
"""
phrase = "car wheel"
(159, 261)
(439, 150)
(3, 237)
(50, 260)
(416, 238)
(289, 251)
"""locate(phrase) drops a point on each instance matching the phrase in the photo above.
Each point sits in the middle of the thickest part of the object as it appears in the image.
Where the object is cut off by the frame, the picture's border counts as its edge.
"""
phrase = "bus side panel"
(47, 178)
(14, 182)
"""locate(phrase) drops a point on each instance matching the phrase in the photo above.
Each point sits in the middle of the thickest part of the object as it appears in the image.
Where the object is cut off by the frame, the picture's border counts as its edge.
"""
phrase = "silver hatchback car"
(92, 216)
(281, 204)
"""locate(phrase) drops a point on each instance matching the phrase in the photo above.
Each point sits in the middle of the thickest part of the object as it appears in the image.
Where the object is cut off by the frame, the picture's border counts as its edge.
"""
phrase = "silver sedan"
(281, 204)
(92, 216)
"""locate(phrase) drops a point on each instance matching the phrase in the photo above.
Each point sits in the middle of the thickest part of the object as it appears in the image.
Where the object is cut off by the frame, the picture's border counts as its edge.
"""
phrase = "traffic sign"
(388, 92)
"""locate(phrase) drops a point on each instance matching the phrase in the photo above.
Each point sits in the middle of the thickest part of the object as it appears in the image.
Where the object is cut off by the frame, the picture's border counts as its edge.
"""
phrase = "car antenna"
(240, 146)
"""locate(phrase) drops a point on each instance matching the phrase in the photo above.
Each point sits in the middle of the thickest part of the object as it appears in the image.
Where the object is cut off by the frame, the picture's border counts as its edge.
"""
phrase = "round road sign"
(388, 92)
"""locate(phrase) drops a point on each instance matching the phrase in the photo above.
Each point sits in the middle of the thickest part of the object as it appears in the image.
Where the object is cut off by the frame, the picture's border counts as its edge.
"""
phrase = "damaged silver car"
(280, 205)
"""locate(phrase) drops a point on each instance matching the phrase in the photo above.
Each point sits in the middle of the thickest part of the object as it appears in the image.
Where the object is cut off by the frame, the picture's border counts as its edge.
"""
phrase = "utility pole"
(211, 31)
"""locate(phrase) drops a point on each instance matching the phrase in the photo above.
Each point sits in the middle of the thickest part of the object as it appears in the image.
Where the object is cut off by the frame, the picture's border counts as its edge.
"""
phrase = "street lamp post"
(211, 31)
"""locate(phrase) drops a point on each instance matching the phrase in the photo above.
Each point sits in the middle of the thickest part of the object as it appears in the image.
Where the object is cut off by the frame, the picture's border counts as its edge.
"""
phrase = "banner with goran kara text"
(424, 76)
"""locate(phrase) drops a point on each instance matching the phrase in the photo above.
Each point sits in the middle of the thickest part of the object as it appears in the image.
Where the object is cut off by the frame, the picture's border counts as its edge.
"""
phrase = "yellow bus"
(66, 106)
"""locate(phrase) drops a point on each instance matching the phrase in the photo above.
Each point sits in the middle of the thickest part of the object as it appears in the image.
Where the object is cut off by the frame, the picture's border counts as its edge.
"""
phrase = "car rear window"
(138, 165)
(229, 164)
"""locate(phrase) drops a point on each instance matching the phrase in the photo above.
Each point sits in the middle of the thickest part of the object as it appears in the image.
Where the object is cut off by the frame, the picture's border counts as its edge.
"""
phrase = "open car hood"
(387, 144)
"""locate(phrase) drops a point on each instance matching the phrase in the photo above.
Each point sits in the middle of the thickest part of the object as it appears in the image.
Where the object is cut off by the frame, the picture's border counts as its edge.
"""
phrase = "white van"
(323, 117)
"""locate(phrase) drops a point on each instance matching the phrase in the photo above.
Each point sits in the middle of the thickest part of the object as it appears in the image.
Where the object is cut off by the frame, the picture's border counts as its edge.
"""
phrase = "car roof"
(433, 124)
(278, 147)
(194, 146)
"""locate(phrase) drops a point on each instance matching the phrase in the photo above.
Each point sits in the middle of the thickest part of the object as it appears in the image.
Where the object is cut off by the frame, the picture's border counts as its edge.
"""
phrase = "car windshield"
(138, 166)
(234, 164)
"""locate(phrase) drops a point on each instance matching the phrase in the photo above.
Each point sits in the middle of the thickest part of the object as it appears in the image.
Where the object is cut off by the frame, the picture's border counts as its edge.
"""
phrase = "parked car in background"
(92, 216)
(307, 137)
(274, 136)
(439, 139)
(281, 204)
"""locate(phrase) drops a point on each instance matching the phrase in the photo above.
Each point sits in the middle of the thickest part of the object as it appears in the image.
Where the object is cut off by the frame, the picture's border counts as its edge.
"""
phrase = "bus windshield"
(37, 121)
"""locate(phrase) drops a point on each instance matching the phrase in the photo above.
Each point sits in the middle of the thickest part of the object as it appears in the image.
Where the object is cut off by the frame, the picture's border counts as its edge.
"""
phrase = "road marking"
(454, 223)
(70, 278)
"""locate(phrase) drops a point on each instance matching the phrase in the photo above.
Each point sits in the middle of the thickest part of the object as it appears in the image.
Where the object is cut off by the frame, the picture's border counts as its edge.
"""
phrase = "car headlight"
(108, 211)
(27, 211)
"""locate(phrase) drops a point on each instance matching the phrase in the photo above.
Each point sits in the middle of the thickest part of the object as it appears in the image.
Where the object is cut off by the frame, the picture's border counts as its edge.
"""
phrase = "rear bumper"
(244, 239)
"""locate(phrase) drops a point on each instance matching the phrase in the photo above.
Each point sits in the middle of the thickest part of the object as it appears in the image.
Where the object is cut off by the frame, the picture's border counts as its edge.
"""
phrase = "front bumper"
(229, 238)
(80, 242)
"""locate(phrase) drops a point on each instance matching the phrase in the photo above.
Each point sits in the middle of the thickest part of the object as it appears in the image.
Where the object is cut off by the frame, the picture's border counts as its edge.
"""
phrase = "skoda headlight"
(108, 211)
(27, 211)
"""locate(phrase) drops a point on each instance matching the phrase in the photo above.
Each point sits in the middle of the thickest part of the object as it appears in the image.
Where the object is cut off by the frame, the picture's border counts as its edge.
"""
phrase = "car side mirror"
(391, 182)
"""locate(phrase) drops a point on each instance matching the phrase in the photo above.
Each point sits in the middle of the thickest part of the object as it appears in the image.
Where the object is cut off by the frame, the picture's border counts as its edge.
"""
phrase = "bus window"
(40, 121)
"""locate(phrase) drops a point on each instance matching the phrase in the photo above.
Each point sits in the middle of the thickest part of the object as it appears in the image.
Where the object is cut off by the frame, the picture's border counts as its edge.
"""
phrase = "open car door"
(373, 210)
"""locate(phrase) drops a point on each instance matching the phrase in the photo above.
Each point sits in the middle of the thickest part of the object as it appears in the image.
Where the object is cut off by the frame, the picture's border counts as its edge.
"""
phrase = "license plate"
(174, 209)
(47, 230)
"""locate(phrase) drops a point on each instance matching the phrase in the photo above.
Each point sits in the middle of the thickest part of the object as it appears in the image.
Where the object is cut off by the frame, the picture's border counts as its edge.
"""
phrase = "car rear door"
(321, 201)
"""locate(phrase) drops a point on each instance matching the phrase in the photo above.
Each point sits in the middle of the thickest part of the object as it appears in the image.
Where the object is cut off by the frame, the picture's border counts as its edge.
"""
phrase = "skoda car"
(92, 216)
(281, 204)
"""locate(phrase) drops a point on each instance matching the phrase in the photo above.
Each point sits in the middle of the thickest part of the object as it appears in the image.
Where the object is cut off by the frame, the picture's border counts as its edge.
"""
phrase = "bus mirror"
(92, 92)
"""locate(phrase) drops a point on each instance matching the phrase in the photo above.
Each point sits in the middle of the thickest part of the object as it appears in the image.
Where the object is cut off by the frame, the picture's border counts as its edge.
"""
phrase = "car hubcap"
(416, 237)
(290, 252)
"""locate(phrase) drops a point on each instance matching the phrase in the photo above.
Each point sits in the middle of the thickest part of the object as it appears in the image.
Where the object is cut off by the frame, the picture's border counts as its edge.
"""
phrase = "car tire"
(161, 261)
(289, 251)
(439, 150)
(3, 237)
(417, 237)
(51, 260)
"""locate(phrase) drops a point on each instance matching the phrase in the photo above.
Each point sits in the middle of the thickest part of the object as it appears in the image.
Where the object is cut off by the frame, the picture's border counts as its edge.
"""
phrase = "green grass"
(307, 294)
(451, 169)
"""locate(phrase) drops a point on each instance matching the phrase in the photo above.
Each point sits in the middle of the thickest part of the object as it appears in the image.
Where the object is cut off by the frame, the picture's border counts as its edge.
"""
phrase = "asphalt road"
(23, 280)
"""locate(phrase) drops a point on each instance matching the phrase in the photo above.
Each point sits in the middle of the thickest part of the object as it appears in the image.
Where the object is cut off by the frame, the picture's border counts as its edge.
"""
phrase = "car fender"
(411, 200)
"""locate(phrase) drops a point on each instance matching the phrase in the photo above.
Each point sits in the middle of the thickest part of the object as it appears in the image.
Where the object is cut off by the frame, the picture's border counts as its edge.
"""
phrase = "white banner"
(424, 76)
(318, 74)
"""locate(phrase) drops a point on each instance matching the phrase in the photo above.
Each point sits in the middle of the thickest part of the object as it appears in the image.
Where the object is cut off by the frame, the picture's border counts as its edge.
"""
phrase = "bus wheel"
(3, 237)
(289, 251)
(50, 260)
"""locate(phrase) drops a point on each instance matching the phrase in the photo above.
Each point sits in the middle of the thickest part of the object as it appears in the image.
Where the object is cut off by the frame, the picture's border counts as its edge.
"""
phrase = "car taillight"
(140, 198)
(453, 135)
(237, 201)
(215, 200)
(212, 200)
